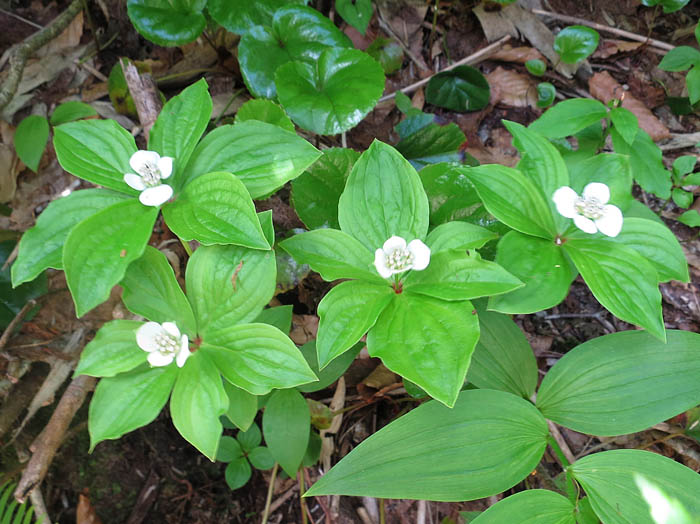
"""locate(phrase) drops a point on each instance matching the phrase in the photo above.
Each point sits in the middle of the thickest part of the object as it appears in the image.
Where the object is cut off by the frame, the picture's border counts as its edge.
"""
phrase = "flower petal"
(159, 359)
(597, 190)
(564, 198)
(165, 166)
(380, 263)
(421, 254)
(585, 224)
(611, 222)
(156, 196)
(139, 160)
(134, 181)
(393, 243)
(184, 352)
(146, 336)
(171, 329)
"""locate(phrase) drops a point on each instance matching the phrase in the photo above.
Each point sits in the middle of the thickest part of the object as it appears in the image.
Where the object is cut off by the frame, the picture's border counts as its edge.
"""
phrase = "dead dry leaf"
(68, 39)
(511, 88)
(611, 46)
(519, 55)
(10, 164)
(85, 513)
(304, 328)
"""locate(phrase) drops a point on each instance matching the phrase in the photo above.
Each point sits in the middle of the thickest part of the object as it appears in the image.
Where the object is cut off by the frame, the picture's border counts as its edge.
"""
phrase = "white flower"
(163, 343)
(590, 211)
(151, 169)
(396, 257)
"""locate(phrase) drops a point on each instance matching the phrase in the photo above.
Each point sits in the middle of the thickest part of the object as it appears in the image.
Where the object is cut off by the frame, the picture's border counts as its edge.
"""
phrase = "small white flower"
(590, 211)
(151, 169)
(396, 257)
(163, 343)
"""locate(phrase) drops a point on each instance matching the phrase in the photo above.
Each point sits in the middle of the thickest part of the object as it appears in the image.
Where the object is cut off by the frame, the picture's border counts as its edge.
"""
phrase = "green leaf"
(12, 300)
(333, 254)
(346, 313)
(113, 350)
(286, 423)
(609, 480)
(680, 58)
(263, 156)
(487, 443)
(461, 89)
(228, 285)
(333, 94)
(383, 197)
(128, 401)
(70, 111)
(541, 265)
(268, 227)
(167, 23)
(623, 281)
(316, 192)
(625, 121)
(503, 358)
(250, 438)
(97, 151)
(451, 195)
(261, 458)
(237, 473)
(197, 402)
(622, 383)
(692, 82)
(229, 450)
(569, 117)
(179, 127)
(658, 245)
(576, 43)
(684, 164)
(645, 162)
(100, 248)
(296, 33)
(432, 144)
(257, 358)
(216, 208)
(452, 275)
(279, 317)
(357, 13)
(690, 218)
(513, 199)
(388, 53)
(536, 67)
(611, 169)
(428, 341)
(240, 16)
(264, 111)
(332, 371)
(30, 140)
(546, 93)
(458, 235)
(242, 406)
(41, 247)
(152, 291)
(657, 500)
(534, 506)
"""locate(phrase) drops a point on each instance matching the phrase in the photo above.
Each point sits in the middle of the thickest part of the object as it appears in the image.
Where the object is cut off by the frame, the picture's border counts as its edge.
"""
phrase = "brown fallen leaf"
(304, 328)
(68, 39)
(605, 88)
(519, 55)
(511, 88)
(85, 513)
(612, 46)
(10, 164)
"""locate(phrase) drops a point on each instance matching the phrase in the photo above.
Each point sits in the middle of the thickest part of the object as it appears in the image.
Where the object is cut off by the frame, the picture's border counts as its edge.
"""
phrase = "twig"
(270, 489)
(559, 438)
(421, 512)
(14, 322)
(28, 22)
(619, 32)
(416, 60)
(471, 59)
(20, 53)
(144, 91)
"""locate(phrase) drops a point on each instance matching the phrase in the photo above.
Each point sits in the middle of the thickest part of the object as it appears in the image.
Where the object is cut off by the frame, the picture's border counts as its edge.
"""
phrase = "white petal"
(156, 196)
(171, 329)
(380, 263)
(146, 336)
(585, 224)
(394, 243)
(611, 222)
(139, 159)
(564, 199)
(421, 254)
(134, 181)
(598, 191)
(184, 352)
(158, 359)
(165, 166)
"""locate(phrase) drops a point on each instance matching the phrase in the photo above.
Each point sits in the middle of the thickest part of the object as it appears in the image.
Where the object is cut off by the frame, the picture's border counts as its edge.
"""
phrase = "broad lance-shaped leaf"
(100, 248)
(41, 247)
(179, 127)
(569, 117)
(197, 402)
(486, 444)
(624, 282)
(610, 480)
(228, 285)
(257, 358)
(286, 423)
(113, 350)
(242, 406)
(346, 313)
(623, 383)
(128, 401)
(646, 162)
(533, 506)
(263, 156)
(428, 341)
(333, 254)
(151, 290)
(97, 151)
(383, 197)
(216, 208)
(458, 235)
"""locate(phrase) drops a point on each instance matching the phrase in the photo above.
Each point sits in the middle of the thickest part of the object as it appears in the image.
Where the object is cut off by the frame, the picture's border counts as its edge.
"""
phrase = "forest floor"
(152, 475)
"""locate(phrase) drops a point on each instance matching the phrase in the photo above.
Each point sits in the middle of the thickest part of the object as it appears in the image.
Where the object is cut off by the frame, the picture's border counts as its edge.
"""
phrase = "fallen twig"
(14, 322)
(554, 430)
(144, 91)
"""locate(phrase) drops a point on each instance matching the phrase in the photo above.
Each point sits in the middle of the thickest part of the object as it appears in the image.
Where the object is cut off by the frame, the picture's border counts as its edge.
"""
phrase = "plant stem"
(559, 453)
(302, 503)
(270, 489)
(187, 247)
(382, 516)
(234, 95)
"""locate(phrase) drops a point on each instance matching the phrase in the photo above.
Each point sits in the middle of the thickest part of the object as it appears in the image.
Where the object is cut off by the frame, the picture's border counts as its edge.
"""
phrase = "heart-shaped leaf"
(240, 16)
(357, 13)
(167, 23)
(576, 43)
(462, 89)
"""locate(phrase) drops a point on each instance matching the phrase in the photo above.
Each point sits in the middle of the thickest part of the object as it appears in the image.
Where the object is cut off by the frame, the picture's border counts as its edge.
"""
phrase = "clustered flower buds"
(395, 256)
(151, 169)
(590, 211)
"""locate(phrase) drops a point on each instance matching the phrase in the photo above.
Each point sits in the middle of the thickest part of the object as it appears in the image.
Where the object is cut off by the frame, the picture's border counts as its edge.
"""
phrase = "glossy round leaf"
(388, 53)
(357, 13)
(536, 67)
(576, 43)
(167, 23)
(240, 16)
(462, 89)
(546, 93)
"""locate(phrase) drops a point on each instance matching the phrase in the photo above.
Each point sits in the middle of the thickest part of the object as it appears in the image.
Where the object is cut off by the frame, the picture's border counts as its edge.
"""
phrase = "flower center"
(399, 259)
(150, 174)
(589, 207)
(167, 344)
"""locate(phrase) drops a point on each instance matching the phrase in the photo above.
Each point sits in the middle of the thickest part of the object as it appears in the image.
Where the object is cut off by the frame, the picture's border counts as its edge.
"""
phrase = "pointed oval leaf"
(461, 89)
(264, 111)
(113, 350)
(533, 506)
(458, 235)
(229, 450)
(261, 458)
(70, 111)
(680, 58)
(242, 406)
(240, 16)
(30, 140)
(646, 162)
(286, 423)
(569, 117)
(237, 473)
(435, 143)
(576, 43)
(250, 438)
(167, 23)
(279, 317)
(487, 443)
(626, 123)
